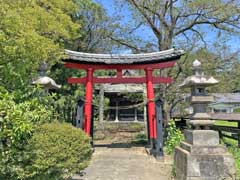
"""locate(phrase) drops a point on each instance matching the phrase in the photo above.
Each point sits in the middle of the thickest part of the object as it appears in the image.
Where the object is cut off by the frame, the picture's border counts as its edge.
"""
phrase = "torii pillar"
(151, 105)
(88, 101)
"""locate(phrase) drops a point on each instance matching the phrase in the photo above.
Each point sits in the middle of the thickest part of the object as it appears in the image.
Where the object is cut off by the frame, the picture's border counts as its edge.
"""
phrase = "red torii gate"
(147, 62)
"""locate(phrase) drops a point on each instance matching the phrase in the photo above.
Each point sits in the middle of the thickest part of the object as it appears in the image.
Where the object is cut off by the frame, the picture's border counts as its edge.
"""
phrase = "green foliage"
(140, 139)
(32, 149)
(236, 154)
(32, 32)
(96, 28)
(56, 151)
(17, 122)
(174, 137)
(237, 110)
(19, 117)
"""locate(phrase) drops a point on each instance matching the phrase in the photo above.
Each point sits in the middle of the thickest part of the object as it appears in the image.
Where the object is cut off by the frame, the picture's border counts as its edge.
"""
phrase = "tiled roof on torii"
(144, 58)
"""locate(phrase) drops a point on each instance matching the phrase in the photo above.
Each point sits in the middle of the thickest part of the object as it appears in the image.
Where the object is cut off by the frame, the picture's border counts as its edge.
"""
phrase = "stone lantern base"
(200, 157)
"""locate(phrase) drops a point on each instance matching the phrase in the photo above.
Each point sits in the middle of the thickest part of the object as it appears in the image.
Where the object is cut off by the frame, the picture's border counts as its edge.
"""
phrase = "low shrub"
(56, 151)
(174, 137)
(32, 146)
(17, 122)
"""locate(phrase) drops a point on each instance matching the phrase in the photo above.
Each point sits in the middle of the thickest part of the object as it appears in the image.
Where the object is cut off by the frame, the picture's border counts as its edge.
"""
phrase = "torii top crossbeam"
(148, 62)
(144, 58)
(156, 60)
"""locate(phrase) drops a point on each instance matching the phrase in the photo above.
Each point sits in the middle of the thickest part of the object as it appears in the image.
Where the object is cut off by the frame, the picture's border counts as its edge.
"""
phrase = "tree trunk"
(166, 43)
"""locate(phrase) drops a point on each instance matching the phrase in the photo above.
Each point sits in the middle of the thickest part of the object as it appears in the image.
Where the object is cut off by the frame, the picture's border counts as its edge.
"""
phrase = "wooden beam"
(120, 66)
(228, 136)
(226, 128)
(136, 80)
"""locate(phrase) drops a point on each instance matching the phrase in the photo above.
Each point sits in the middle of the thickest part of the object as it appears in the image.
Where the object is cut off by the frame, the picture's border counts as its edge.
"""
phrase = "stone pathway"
(114, 162)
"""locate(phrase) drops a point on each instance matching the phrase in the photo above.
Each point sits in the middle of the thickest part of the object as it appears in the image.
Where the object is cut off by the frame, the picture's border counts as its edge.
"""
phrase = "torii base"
(200, 157)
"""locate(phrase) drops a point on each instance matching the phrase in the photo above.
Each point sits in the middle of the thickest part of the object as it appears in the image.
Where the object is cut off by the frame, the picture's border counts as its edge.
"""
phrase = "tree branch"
(124, 43)
(154, 28)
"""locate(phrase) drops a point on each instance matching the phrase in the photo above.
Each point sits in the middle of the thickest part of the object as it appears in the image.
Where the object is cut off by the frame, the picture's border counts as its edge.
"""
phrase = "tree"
(172, 21)
(32, 32)
(96, 28)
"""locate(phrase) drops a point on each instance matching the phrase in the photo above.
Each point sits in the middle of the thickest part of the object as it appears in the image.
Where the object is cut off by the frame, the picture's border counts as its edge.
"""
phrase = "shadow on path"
(117, 145)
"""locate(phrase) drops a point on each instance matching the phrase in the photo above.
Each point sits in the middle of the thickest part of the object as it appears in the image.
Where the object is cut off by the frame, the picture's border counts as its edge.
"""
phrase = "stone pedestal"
(200, 157)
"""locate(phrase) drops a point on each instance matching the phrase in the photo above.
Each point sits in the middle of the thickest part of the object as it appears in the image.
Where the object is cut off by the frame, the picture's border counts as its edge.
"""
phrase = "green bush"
(55, 151)
(31, 147)
(174, 137)
(17, 121)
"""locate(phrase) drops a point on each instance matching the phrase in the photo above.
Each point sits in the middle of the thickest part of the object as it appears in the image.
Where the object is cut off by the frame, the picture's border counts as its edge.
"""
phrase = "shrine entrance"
(147, 62)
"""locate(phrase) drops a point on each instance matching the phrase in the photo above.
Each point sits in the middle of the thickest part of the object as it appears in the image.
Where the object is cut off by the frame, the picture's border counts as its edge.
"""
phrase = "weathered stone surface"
(200, 115)
(202, 137)
(180, 162)
(198, 150)
(201, 99)
(202, 122)
(203, 163)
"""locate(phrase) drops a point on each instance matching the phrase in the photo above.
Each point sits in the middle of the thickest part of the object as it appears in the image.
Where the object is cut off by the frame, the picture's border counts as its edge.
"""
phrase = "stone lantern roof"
(199, 78)
(45, 81)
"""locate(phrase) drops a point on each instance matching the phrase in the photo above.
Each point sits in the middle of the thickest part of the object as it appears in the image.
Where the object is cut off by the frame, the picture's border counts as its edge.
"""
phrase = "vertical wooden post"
(116, 112)
(151, 104)
(101, 103)
(88, 101)
(135, 115)
(145, 112)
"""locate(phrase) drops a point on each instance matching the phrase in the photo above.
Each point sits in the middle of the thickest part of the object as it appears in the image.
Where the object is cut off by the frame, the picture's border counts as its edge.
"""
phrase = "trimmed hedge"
(57, 151)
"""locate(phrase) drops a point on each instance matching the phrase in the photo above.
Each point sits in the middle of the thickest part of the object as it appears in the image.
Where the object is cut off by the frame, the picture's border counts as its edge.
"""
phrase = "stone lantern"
(44, 81)
(199, 98)
(200, 156)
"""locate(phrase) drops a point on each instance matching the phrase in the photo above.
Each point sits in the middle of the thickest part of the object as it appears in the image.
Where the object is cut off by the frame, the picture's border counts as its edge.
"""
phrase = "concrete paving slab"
(127, 163)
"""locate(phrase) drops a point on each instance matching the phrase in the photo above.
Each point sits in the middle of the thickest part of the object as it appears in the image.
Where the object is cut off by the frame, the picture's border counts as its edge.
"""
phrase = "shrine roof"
(144, 58)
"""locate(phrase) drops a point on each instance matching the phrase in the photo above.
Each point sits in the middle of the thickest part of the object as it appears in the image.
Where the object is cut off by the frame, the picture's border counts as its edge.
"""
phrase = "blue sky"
(111, 8)
(145, 33)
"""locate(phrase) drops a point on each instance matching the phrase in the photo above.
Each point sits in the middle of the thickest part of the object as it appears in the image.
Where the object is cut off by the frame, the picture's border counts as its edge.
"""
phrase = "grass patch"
(226, 123)
(228, 141)
(136, 126)
(236, 154)
(231, 144)
(140, 139)
(122, 126)
(235, 151)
